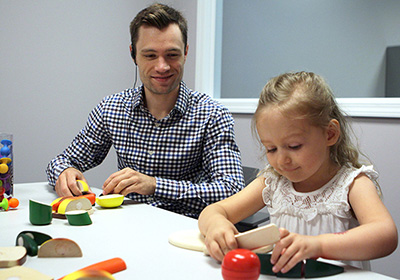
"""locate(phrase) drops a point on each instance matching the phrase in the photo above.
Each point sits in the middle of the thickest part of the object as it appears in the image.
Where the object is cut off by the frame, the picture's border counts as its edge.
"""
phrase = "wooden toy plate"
(188, 239)
(259, 240)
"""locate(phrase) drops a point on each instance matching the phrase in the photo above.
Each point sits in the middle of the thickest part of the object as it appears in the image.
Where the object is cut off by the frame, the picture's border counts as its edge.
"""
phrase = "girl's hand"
(220, 239)
(293, 248)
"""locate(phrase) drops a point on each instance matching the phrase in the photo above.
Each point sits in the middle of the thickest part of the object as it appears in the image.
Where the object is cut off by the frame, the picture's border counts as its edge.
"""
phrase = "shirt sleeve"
(222, 169)
(87, 150)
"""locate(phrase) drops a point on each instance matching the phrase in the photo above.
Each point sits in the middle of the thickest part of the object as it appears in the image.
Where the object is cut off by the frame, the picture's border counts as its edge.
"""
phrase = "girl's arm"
(375, 237)
(216, 221)
(377, 234)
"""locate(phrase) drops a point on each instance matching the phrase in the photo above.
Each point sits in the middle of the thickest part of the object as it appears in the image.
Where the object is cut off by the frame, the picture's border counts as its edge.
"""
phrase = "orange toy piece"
(112, 266)
(13, 202)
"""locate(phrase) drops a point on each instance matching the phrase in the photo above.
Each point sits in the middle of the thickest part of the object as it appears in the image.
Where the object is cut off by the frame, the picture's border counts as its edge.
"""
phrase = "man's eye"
(271, 150)
(173, 55)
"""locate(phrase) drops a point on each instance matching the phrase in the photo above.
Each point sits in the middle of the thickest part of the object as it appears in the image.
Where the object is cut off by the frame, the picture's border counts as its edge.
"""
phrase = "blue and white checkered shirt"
(192, 152)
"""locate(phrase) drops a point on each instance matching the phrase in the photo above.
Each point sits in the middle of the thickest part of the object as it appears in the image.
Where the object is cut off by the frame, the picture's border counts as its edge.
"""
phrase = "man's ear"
(186, 50)
(333, 132)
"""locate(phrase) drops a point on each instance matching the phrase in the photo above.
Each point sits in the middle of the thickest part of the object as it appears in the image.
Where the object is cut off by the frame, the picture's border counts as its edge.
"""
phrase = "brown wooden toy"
(59, 248)
(70, 203)
(12, 256)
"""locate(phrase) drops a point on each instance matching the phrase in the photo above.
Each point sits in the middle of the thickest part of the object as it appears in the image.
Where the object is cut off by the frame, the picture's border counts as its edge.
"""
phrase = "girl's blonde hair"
(307, 95)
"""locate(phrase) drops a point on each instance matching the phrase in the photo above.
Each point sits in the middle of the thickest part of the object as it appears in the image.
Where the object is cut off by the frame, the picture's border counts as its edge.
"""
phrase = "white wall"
(379, 139)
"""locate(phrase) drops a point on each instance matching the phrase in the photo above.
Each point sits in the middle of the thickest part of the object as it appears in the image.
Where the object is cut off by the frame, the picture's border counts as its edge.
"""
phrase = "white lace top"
(325, 210)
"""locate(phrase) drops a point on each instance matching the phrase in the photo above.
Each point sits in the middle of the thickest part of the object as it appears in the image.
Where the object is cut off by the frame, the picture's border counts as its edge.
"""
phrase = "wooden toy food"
(259, 240)
(64, 204)
(58, 248)
(110, 200)
(240, 264)
(12, 256)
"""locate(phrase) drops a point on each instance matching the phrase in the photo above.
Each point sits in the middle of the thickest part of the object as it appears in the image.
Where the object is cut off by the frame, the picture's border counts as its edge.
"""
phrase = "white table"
(137, 233)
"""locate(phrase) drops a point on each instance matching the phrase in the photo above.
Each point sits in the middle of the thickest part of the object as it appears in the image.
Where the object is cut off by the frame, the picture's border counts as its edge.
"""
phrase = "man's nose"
(162, 65)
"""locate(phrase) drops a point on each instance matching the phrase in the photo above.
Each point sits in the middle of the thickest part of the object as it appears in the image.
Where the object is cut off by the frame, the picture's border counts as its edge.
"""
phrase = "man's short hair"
(159, 16)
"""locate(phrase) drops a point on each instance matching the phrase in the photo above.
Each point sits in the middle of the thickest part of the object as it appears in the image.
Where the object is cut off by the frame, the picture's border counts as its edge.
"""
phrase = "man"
(176, 147)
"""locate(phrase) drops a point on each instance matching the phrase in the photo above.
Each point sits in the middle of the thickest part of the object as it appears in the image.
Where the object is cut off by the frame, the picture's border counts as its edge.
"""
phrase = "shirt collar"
(183, 98)
(180, 105)
(138, 97)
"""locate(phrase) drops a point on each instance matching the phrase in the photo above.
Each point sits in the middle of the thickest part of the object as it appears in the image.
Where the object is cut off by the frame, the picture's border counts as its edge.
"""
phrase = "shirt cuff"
(166, 189)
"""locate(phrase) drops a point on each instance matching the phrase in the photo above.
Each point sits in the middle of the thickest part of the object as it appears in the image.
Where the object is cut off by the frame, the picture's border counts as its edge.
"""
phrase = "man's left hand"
(128, 181)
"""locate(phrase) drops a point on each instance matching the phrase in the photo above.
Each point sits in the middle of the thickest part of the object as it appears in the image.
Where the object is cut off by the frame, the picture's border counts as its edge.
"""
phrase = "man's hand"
(128, 181)
(66, 183)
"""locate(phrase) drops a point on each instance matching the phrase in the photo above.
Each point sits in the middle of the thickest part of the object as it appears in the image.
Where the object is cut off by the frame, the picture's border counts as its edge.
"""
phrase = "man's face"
(161, 56)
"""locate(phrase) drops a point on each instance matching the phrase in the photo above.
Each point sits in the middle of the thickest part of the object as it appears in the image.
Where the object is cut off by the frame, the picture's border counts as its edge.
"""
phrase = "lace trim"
(281, 198)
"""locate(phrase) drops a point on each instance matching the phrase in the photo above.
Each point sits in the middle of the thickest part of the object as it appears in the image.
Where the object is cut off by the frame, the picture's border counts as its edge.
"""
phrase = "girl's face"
(298, 150)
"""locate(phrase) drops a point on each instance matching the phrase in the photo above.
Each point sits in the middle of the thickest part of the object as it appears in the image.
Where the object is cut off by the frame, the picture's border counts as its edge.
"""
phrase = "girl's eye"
(295, 147)
(271, 150)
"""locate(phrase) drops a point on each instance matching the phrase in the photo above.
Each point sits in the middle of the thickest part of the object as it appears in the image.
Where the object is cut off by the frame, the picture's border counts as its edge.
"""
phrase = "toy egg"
(110, 200)
(240, 264)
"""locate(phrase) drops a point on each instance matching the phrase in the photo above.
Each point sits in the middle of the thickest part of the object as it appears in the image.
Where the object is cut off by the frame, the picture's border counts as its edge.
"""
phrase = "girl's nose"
(284, 159)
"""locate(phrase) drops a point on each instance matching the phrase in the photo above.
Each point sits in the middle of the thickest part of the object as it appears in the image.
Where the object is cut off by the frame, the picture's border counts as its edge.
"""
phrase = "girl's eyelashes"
(295, 147)
(271, 150)
(291, 147)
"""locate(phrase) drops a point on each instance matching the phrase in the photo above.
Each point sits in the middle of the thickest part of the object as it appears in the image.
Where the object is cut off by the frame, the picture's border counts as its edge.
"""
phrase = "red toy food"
(240, 264)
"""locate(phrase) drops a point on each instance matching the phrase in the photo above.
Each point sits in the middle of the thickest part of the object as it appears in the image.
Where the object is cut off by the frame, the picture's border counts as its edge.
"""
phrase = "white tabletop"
(137, 233)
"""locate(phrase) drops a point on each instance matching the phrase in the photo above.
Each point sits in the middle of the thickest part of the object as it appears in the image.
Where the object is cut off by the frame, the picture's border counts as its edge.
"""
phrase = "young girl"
(315, 188)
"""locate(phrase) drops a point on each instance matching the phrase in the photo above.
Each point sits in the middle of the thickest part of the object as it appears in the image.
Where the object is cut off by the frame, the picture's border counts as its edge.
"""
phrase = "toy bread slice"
(23, 273)
(12, 256)
(59, 248)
